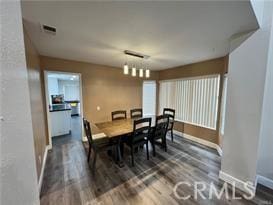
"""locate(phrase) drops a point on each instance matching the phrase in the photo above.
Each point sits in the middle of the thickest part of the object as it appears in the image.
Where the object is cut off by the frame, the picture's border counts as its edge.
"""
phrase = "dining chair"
(171, 113)
(160, 132)
(119, 115)
(140, 136)
(136, 113)
(98, 145)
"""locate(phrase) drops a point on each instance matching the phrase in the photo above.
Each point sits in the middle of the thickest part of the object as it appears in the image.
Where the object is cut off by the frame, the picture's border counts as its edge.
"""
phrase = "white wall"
(18, 173)
(265, 154)
(70, 89)
(246, 77)
(53, 87)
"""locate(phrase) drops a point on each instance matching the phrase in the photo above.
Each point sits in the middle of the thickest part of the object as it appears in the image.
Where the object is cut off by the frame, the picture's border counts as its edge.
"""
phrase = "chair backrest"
(119, 115)
(87, 130)
(136, 113)
(171, 113)
(142, 128)
(161, 126)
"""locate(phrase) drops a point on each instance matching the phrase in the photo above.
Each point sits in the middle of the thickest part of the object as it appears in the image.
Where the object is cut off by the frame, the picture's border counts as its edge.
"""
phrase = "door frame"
(46, 72)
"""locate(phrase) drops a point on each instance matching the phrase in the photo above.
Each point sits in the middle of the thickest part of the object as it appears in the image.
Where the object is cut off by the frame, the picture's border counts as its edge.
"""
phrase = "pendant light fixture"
(141, 72)
(134, 72)
(142, 59)
(147, 73)
(126, 69)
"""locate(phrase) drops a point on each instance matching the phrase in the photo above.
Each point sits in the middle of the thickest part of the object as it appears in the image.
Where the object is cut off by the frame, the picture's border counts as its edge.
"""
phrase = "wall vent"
(49, 29)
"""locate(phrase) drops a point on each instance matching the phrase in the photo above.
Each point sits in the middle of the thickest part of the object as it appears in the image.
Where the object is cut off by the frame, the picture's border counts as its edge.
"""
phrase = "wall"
(53, 88)
(39, 125)
(214, 66)
(18, 178)
(265, 154)
(103, 86)
(245, 93)
(70, 89)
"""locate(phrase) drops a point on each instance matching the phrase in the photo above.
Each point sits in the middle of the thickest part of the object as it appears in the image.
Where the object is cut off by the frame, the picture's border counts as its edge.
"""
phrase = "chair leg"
(147, 150)
(132, 156)
(89, 153)
(153, 145)
(165, 144)
(172, 134)
(122, 148)
(94, 162)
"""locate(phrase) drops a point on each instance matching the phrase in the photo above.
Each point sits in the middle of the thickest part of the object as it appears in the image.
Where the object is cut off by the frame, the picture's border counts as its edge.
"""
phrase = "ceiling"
(172, 33)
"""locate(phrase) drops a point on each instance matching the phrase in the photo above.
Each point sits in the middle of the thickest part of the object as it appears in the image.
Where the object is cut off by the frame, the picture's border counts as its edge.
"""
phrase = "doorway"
(149, 98)
(63, 92)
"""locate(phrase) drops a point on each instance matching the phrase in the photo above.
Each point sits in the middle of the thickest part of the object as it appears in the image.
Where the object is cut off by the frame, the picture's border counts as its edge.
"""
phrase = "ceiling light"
(141, 72)
(147, 73)
(134, 71)
(139, 60)
(125, 69)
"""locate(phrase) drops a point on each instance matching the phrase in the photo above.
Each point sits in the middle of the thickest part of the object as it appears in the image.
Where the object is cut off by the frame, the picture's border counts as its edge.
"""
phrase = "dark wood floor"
(68, 179)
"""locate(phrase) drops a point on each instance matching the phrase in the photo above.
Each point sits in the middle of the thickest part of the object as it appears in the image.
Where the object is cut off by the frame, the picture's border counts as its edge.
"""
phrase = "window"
(149, 97)
(194, 99)
(223, 107)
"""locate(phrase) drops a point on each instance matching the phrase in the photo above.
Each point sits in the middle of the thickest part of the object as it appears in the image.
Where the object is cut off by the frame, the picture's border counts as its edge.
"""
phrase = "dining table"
(117, 130)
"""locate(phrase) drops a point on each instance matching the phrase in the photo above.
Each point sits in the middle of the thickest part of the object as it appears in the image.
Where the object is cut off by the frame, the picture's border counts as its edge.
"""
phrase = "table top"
(117, 128)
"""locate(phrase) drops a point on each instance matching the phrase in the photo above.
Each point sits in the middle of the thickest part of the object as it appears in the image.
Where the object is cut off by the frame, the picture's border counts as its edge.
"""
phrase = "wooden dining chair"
(136, 113)
(99, 145)
(119, 115)
(160, 132)
(171, 113)
(140, 136)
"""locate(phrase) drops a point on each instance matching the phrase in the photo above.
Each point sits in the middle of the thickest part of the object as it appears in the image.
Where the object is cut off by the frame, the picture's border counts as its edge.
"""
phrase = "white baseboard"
(264, 181)
(200, 141)
(43, 167)
(239, 184)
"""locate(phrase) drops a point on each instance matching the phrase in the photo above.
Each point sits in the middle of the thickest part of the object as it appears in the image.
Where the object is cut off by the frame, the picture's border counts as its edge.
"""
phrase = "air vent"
(49, 29)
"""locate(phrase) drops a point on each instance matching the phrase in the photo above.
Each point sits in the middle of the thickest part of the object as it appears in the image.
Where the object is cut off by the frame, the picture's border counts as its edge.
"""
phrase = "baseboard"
(239, 184)
(200, 141)
(43, 168)
(264, 181)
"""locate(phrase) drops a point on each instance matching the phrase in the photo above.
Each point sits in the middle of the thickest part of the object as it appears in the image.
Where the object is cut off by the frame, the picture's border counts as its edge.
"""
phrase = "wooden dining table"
(116, 130)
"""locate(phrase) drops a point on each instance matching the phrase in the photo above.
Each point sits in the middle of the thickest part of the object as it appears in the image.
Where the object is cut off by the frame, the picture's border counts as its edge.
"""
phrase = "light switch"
(98, 108)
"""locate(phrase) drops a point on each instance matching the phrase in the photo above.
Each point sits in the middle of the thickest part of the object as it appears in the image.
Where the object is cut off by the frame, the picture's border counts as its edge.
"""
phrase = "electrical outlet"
(98, 108)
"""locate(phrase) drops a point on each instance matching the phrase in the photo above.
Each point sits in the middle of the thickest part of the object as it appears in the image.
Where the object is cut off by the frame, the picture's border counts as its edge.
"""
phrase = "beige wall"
(38, 116)
(102, 86)
(214, 66)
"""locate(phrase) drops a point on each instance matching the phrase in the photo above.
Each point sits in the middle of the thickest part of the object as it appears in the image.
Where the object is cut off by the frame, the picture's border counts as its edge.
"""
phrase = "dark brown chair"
(99, 145)
(136, 113)
(119, 115)
(160, 132)
(140, 136)
(171, 113)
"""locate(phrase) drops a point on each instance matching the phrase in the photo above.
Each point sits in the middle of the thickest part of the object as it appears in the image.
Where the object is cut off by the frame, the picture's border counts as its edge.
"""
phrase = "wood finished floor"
(68, 179)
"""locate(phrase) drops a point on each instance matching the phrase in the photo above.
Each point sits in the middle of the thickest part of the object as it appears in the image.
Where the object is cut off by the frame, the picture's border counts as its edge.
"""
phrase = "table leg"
(120, 158)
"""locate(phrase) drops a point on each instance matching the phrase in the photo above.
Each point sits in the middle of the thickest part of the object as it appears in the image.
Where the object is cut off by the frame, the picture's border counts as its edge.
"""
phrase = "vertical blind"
(194, 99)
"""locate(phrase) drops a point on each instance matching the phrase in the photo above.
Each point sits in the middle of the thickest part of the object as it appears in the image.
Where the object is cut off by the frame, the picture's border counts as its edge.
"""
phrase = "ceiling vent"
(48, 29)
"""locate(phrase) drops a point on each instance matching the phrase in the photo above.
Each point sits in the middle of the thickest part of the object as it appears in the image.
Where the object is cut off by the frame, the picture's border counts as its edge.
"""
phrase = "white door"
(149, 98)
